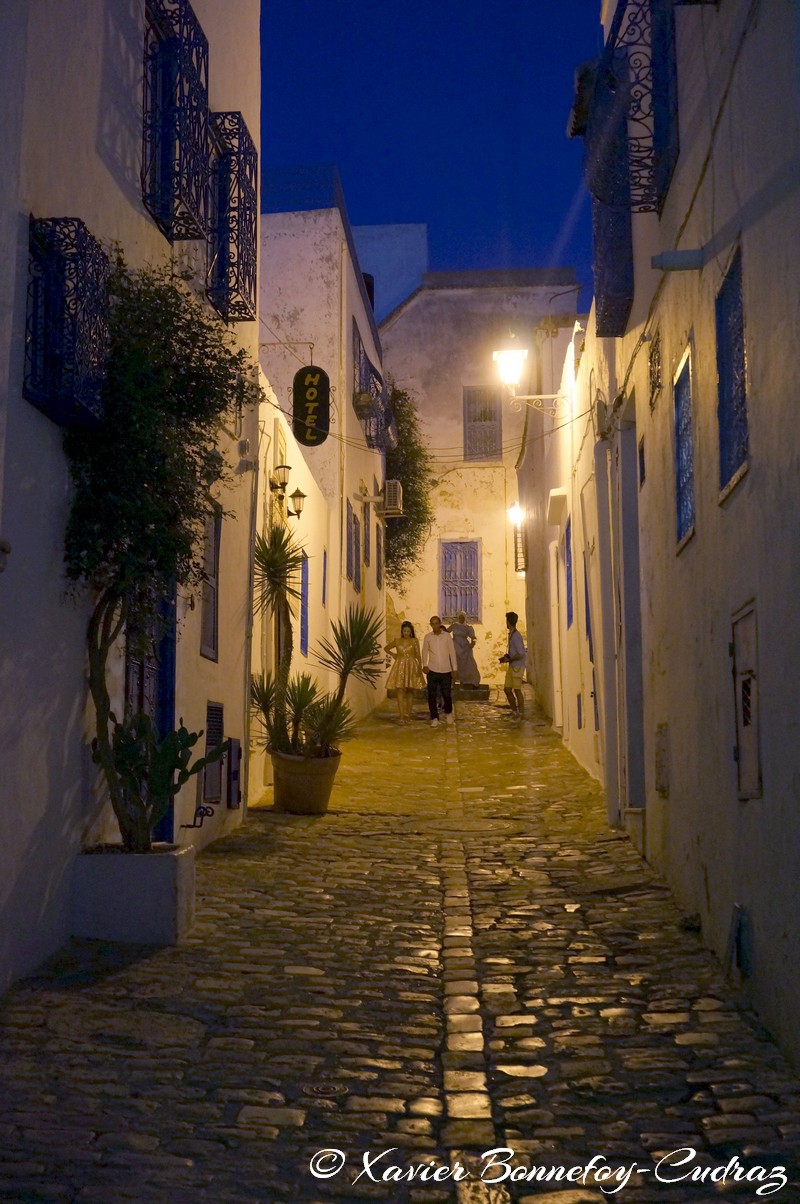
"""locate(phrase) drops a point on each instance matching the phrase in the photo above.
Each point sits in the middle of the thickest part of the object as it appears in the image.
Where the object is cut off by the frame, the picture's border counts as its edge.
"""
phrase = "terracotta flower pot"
(303, 785)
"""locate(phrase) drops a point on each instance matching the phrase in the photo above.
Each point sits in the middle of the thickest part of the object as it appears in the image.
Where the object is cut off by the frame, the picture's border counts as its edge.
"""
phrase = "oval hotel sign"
(311, 406)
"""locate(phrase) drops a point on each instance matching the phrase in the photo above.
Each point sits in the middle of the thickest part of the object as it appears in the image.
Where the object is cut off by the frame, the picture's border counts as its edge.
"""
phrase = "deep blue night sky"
(448, 112)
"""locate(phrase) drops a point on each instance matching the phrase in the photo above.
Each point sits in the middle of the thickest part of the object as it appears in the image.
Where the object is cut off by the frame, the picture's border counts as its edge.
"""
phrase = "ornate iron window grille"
(684, 452)
(66, 330)
(483, 423)
(460, 579)
(233, 219)
(642, 36)
(731, 374)
(568, 571)
(655, 369)
(175, 120)
(370, 400)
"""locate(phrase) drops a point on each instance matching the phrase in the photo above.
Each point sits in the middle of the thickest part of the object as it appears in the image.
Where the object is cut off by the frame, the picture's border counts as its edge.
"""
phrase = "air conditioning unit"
(393, 500)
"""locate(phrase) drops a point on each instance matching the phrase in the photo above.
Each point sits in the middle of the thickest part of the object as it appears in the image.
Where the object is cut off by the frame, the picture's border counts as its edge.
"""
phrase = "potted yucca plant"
(301, 725)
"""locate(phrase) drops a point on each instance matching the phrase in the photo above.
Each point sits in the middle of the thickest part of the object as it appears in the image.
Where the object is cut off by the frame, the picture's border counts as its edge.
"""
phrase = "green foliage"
(151, 772)
(301, 721)
(142, 492)
(277, 561)
(411, 464)
(143, 480)
(355, 648)
(295, 717)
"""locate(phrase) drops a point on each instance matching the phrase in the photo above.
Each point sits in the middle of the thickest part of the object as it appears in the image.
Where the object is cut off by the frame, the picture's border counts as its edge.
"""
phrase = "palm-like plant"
(277, 564)
(355, 649)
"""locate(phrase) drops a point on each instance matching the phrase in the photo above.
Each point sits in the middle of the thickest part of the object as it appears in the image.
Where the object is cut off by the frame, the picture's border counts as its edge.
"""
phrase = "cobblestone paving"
(460, 956)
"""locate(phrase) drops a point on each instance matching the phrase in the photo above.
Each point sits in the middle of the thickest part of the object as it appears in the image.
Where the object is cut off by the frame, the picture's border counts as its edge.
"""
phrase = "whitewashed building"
(317, 323)
(439, 344)
(678, 478)
(83, 135)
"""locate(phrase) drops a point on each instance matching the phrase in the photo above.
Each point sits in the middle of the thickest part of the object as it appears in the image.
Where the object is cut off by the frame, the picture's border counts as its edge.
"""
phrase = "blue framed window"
(568, 571)
(209, 604)
(379, 556)
(731, 374)
(350, 557)
(233, 219)
(460, 585)
(483, 424)
(684, 449)
(175, 155)
(367, 532)
(324, 576)
(356, 554)
(66, 334)
(304, 606)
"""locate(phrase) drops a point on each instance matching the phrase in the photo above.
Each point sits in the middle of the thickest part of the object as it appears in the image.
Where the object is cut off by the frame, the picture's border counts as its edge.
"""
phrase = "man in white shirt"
(439, 663)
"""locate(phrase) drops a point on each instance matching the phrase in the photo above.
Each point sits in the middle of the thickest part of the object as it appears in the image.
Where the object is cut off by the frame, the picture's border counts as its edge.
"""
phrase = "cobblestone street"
(460, 956)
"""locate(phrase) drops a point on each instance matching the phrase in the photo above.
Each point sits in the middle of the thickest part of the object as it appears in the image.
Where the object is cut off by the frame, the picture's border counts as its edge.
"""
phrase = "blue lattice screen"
(460, 580)
(66, 337)
(731, 375)
(175, 120)
(233, 224)
(483, 424)
(304, 606)
(684, 451)
(370, 400)
(568, 571)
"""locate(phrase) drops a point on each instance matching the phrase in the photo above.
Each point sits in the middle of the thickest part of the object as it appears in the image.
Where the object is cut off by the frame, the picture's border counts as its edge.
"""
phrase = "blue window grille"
(324, 576)
(588, 610)
(568, 571)
(356, 554)
(304, 606)
(66, 329)
(370, 400)
(483, 423)
(379, 556)
(684, 450)
(209, 607)
(731, 374)
(460, 579)
(175, 147)
(350, 557)
(607, 169)
(233, 219)
(367, 532)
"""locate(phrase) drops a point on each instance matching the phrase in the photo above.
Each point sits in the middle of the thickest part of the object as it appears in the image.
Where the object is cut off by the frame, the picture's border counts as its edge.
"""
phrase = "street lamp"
(298, 500)
(510, 360)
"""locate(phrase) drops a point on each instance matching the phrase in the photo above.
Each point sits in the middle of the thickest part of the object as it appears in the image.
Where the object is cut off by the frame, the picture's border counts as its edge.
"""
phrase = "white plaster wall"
(74, 151)
(737, 69)
(310, 293)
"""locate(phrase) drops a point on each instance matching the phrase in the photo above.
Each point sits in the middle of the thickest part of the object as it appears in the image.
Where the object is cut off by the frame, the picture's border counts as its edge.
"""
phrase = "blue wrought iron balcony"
(175, 153)
(233, 228)
(66, 328)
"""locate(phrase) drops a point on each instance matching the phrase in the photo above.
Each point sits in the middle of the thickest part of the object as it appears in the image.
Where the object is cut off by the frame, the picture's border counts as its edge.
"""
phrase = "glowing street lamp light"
(510, 363)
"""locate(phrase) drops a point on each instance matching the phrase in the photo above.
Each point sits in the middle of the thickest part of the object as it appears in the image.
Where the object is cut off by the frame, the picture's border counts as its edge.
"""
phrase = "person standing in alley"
(439, 663)
(515, 660)
(406, 673)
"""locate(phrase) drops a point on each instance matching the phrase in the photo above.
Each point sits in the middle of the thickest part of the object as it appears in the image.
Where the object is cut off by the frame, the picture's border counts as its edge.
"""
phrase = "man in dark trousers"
(439, 663)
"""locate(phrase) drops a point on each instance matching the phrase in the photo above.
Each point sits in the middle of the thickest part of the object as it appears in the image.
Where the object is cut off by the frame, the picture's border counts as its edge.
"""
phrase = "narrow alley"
(459, 957)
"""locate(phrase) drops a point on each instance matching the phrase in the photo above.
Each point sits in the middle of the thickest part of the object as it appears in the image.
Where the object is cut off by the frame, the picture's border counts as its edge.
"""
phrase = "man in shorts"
(515, 660)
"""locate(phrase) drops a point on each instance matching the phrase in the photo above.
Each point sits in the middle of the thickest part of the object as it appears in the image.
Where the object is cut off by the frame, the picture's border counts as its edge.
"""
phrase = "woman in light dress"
(465, 640)
(405, 675)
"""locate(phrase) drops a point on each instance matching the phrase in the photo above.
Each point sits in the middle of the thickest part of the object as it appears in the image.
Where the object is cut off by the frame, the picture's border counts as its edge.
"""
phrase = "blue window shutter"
(304, 606)
(568, 570)
(349, 542)
(325, 577)
(379, 556)
(460, 580)
(684, 452)
(367, 533)
(209, 606)
(356, 554)
(731, 384)
(483, 425)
